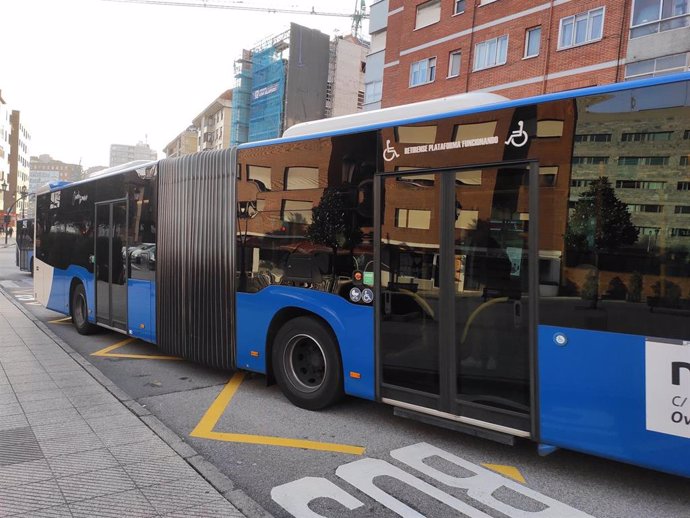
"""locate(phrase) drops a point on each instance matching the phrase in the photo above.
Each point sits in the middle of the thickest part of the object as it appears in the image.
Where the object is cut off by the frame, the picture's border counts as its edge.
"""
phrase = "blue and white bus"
(25, 245)
(507, 268)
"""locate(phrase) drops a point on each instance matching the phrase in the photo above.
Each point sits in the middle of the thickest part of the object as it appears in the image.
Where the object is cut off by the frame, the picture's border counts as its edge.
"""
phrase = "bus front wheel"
(79, 310)
(306, 364)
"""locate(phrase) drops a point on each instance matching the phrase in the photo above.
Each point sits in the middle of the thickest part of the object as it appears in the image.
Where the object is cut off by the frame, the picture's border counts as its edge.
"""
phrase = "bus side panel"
(141, 309)
(58, 299)
(353, 326)
(593, 390)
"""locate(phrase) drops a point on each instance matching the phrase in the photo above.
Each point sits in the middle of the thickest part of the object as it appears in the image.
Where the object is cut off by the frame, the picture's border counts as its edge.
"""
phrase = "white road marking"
(481, 485)
(295, 496)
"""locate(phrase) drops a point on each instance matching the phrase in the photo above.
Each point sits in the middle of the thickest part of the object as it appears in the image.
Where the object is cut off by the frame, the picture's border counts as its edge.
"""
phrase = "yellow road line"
(66, 320)
(106, 352)
(204, 429)
(507, 471)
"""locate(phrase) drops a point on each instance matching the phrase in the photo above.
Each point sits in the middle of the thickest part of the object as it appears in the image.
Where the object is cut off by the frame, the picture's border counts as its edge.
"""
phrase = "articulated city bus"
(25, 245)
(511, 269)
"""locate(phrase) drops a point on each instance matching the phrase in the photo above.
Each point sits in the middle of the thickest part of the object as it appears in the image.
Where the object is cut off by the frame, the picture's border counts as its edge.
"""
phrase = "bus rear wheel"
(79, 311)
(306, 364)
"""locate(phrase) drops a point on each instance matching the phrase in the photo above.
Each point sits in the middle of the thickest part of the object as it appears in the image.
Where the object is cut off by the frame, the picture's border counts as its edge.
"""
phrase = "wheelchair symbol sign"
(518, 137)
(389, 153)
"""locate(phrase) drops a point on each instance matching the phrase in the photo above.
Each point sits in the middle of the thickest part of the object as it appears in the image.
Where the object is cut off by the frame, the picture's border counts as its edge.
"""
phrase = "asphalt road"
(252, 434)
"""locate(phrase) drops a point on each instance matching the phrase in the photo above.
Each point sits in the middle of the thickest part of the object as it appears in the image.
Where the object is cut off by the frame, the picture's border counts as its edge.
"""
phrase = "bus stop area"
(73, 444)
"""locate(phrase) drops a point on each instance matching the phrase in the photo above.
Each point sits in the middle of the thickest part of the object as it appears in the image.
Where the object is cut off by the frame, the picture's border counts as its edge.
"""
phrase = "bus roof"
(420, 109)
(123, 168)
(411, 116)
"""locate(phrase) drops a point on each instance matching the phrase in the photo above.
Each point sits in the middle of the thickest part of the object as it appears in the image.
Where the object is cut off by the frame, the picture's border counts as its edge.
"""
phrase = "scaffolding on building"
(259, 95)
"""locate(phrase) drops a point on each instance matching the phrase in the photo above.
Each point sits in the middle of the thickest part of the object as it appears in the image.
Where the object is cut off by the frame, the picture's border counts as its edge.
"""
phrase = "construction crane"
(357, 17)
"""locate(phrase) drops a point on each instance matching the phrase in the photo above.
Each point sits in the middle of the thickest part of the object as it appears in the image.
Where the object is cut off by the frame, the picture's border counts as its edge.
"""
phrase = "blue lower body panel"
(60, 288)
(612, 395)
(141, 309)
(352, 324)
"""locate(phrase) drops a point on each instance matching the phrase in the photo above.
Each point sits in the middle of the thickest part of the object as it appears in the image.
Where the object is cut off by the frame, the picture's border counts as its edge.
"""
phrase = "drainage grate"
(18, 445)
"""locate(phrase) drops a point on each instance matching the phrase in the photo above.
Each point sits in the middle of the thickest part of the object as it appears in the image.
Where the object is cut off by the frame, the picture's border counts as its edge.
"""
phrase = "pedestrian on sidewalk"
(10, 230)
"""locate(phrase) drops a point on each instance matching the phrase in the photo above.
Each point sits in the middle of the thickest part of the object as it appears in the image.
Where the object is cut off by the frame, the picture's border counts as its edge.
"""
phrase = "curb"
(220, 482)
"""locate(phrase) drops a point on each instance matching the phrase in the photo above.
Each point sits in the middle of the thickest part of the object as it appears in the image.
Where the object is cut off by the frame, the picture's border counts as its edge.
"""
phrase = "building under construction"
(291, 78)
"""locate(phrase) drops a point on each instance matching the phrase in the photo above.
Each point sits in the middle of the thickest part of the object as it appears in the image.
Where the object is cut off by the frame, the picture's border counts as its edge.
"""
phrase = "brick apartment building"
(425, 49)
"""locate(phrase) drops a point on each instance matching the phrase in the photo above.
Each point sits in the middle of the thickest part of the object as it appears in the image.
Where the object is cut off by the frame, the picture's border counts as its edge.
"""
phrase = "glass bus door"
(110, 264)
(454, 331)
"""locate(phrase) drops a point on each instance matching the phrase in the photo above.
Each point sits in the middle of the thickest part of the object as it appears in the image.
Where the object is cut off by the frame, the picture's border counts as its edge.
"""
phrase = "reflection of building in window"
(261, 175)
(413, 218)
(679, 232)
(301, 178)
(636, 184)
(549, 128)
(473, 177)
(644, 207)
(472, 131)
(415, 134)
(643, 160)
(682, 209)
(593, 137)
(651, 136)
(296, 211)
(547, 176)
(580, 183)
(467, 219)
(590, 160)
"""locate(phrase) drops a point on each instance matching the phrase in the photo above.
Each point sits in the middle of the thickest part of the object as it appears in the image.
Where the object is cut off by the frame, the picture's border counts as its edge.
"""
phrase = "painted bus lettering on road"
(481, 485)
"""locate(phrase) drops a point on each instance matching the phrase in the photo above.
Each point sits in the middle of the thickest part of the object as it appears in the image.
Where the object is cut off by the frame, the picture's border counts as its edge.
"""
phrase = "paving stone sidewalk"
(69, 447)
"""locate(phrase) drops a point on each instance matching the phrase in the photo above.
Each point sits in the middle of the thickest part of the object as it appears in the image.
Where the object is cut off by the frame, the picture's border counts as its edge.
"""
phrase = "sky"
(86, 74)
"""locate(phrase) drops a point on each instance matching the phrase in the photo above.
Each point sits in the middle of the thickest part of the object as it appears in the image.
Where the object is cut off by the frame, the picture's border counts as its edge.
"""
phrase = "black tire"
(306, 364)
(79, 311)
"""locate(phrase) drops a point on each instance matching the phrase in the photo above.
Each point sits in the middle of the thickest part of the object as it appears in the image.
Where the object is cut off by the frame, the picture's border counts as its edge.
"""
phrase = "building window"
(459, 7)
(415, 134)
(413, 218)
(652, 16)
(428, 13)
(532, 41)
(679, 232)
(454, 63)
(296, 211)
(580, 183)
(372, 91)
(423, 72)
(261, 175)
(684, 160)
(593, 137)
(686, 135)
(590, 160)
(658, 66)
(636, 207)
(682, 209)
(581, 28)
(683, 186)
(491, 53)
(637, 184)
(653, 136)
(643, 160)
(301, 178)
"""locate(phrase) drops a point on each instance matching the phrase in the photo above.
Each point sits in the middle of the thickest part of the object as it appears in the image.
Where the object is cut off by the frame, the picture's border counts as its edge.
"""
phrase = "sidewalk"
(70, 447)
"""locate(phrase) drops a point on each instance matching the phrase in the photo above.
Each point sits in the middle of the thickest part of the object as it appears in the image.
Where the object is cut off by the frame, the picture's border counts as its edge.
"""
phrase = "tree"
(334, 222)
(599, 222)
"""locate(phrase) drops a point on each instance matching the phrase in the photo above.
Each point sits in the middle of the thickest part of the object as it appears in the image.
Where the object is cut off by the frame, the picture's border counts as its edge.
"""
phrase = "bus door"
(110, 264)
(454, 333)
